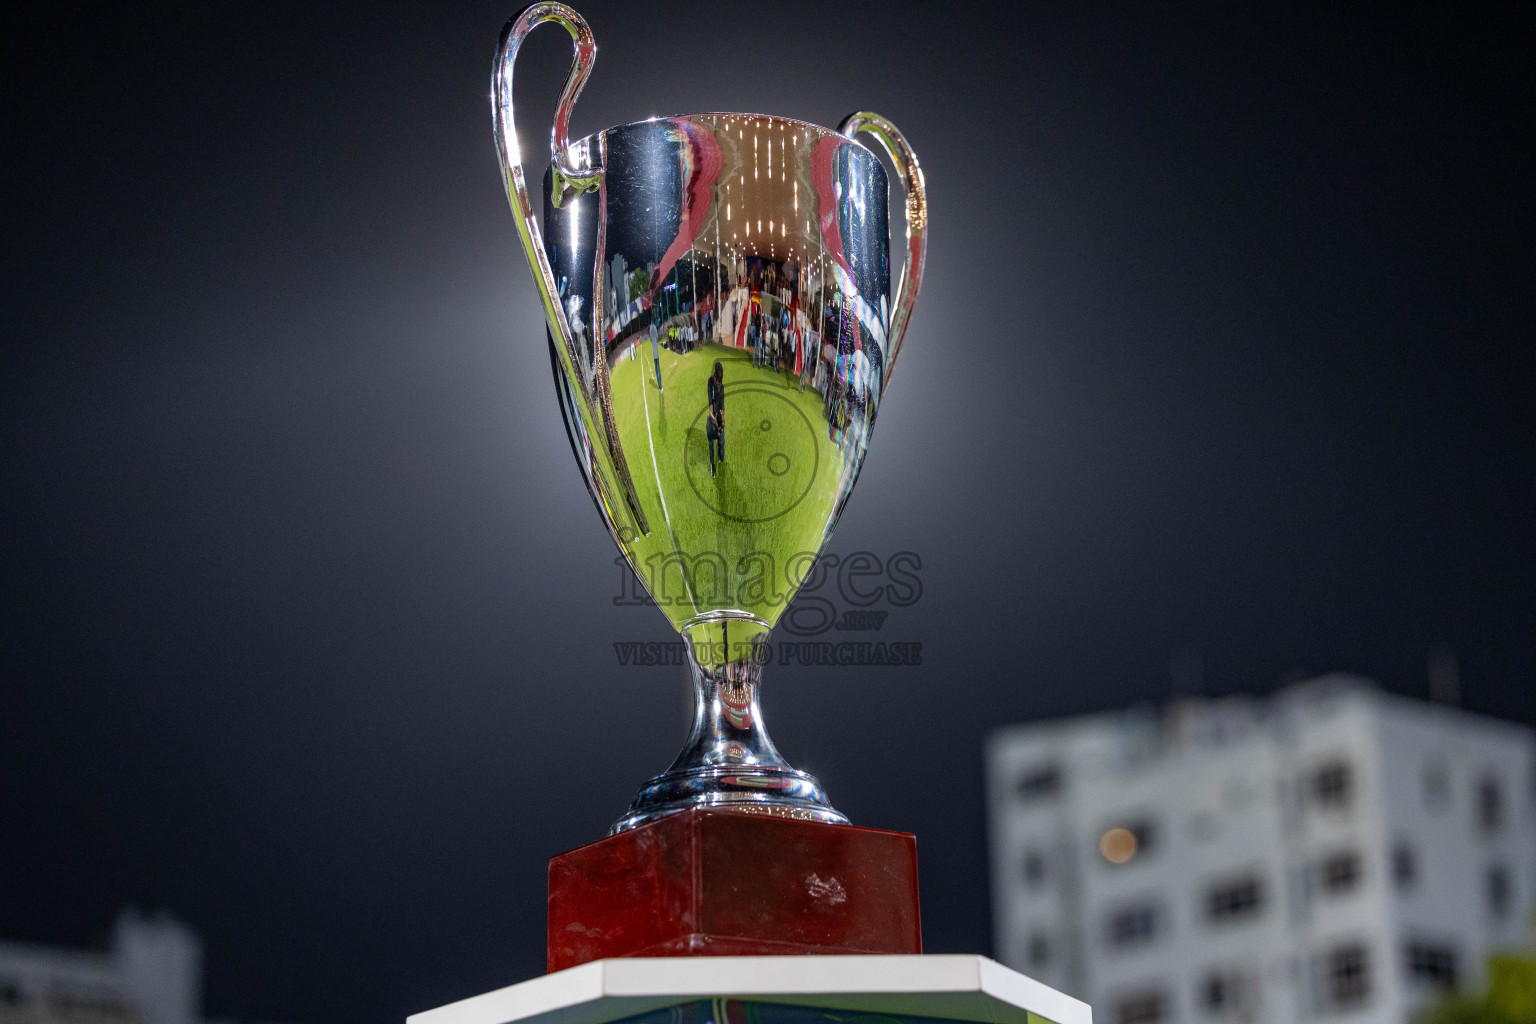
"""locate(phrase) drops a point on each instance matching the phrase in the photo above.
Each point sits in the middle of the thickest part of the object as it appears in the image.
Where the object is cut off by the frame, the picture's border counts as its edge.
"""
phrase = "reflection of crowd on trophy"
(810, 333)
(775, 310)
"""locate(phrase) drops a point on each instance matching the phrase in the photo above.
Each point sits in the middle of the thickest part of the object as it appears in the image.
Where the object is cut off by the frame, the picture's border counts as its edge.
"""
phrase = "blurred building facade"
(150, 974)
(1331, 853)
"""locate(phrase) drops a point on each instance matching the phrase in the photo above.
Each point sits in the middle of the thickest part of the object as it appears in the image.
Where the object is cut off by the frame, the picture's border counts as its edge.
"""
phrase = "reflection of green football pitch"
(768, 502)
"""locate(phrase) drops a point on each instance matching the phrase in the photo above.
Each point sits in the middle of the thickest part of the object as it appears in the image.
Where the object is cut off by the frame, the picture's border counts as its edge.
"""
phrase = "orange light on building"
(1118, 845)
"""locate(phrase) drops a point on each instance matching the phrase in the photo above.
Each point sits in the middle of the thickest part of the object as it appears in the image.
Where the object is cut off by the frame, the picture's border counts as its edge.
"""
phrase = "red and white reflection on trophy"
(758, 781)
(738, 706)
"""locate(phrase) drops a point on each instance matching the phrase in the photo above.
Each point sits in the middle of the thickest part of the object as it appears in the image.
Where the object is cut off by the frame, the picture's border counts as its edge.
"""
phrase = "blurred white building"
(1331, 853)
(151, 974)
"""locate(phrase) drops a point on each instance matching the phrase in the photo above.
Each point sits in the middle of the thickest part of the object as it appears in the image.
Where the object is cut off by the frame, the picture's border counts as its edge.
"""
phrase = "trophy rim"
(823, 129)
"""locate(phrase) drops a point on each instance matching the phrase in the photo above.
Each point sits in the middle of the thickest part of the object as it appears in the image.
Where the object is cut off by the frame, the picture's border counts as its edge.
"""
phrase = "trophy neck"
(727, 717)
(729, 763)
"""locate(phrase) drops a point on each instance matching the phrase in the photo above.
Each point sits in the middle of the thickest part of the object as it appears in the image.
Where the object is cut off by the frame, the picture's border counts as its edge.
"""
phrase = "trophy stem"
(729, 763)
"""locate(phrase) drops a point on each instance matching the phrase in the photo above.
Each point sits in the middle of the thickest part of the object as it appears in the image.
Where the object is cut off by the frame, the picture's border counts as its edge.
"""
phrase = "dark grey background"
(306, 621)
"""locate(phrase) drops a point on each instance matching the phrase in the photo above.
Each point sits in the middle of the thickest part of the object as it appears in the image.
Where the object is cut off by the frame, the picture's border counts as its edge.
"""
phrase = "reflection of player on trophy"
(714, 425)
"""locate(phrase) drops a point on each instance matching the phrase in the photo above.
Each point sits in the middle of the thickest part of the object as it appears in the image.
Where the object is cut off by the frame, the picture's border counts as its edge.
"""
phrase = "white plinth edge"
(956, 987)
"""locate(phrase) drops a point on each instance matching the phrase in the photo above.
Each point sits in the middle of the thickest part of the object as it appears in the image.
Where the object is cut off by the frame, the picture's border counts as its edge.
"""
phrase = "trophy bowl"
(722, 325)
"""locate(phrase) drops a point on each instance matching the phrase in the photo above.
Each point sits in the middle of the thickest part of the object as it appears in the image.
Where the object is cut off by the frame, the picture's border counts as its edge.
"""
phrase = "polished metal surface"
(723, 327)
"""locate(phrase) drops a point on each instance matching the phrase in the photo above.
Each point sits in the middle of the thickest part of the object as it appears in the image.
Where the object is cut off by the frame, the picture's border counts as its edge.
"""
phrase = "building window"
(1405, 868)
(1123, 843)
(1039, 949)
(1226, 994)
(1034, 868)
(1500, 889)
(1132, 926)
(1332, 785)
(1432, 964)
(1490, 805)
(1236, 899)
(1040, 783)
(1339, 873)
(1142, 1008)
(1347, 980)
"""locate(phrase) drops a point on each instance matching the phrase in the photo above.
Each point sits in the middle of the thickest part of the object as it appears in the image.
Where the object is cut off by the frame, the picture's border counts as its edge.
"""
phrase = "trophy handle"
(572, 175)
(566, 174)
(911, 280)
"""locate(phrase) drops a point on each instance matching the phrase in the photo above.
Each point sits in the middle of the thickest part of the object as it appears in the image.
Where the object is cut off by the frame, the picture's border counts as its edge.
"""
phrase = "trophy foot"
(778, 791)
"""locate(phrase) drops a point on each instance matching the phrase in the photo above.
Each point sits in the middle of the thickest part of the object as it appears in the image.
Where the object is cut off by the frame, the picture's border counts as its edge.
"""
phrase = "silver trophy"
(722, 326)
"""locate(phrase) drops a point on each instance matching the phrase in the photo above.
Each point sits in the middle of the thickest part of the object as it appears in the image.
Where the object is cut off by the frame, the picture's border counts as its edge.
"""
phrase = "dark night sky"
(1226, 340)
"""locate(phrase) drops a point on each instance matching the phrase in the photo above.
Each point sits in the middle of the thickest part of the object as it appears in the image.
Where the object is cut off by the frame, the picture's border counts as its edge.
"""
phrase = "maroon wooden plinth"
(706, 883)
